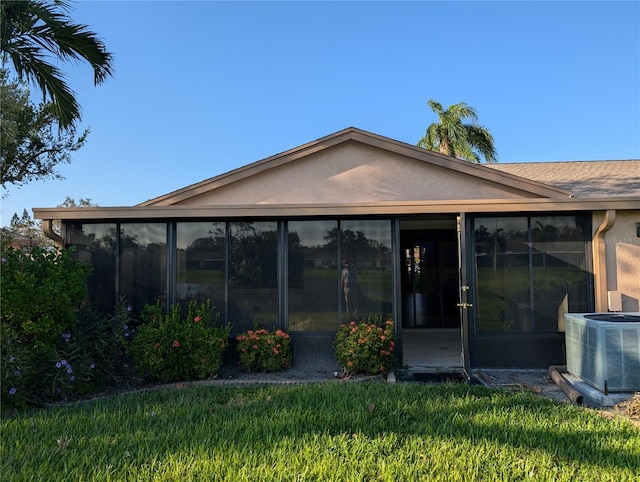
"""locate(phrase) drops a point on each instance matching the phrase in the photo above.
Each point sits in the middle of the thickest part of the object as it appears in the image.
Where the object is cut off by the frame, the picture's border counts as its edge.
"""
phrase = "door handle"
(464, 305)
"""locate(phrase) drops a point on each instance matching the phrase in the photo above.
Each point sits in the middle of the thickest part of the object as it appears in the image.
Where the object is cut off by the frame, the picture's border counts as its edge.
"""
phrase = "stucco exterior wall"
(622, 252)
(352, 173)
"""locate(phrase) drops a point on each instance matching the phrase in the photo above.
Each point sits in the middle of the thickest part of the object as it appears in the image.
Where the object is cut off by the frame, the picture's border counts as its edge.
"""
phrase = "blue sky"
(205, 87)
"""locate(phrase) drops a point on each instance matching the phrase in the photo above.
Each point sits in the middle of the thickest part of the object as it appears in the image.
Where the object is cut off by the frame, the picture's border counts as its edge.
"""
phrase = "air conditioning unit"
(604, 349)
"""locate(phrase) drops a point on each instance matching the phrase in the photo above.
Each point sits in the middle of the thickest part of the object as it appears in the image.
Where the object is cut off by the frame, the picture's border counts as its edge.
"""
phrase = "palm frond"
(482, 140)
(67, 40)
(435, 106)
(32, 66)
(33, 32)
(430, 140)
(463, 111)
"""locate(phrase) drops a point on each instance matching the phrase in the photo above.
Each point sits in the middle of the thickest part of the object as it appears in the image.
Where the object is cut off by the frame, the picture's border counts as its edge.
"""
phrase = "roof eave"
(99, 214)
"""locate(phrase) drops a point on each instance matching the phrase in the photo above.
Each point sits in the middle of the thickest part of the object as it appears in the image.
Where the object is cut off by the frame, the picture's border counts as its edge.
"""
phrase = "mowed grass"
(326, 431)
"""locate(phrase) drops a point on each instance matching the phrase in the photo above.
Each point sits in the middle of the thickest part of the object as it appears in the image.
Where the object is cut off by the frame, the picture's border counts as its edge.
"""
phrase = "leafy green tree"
(30, 230)
(70, 202)
(452, 137)
(35, 35)
(31, 146)
(24, 233)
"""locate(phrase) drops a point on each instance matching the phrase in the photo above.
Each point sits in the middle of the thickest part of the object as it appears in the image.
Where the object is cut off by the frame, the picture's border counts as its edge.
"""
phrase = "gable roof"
(244, 181)
(582, 178)
(433, 183)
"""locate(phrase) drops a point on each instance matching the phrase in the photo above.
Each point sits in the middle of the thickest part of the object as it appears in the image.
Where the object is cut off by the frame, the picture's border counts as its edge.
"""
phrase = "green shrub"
(41, 293)
(98, 337)
(264, 351)
(365, 347)
(53, 346)
(168, 347)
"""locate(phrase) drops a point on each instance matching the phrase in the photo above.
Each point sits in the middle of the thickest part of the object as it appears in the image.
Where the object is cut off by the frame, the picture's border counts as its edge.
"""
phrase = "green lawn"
(324, 431)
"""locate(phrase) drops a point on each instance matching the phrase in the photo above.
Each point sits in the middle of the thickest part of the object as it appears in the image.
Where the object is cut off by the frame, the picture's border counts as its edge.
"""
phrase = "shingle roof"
(582, 178)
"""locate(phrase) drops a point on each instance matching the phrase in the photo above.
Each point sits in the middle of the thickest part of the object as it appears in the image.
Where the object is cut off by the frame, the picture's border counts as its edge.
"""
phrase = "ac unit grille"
(604, 354)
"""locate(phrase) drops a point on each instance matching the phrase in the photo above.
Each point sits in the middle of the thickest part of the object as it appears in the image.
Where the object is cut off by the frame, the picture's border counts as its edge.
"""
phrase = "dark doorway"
(430, 278)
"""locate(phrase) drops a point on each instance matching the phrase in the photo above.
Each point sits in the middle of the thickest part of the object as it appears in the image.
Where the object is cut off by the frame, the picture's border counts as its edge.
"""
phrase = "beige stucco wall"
(352, 173)
(622, 252)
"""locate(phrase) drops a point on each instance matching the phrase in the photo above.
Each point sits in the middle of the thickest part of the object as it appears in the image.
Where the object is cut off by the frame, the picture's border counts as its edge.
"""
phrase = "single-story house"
(496, 253)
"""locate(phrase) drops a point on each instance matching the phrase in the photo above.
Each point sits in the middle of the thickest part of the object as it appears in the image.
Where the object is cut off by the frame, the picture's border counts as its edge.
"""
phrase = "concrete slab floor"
(539, 381)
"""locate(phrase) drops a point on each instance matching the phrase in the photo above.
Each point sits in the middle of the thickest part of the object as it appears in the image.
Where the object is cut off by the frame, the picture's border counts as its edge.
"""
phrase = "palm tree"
(33, 33)
(451, 137)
